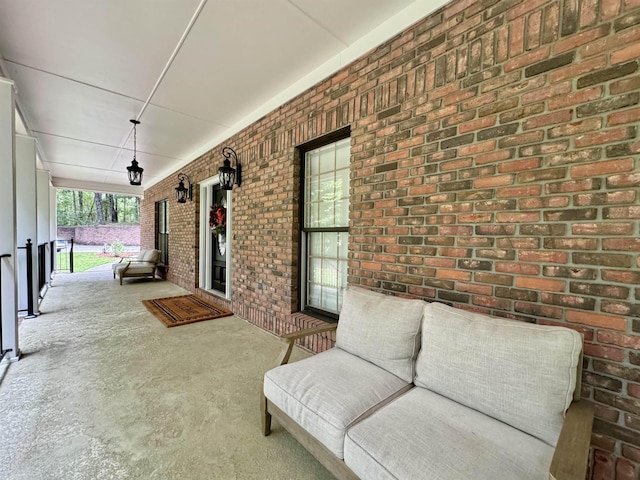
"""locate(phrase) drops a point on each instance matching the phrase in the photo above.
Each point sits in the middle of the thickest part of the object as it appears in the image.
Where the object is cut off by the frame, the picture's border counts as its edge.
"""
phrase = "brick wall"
(495, 167)
(101, 234)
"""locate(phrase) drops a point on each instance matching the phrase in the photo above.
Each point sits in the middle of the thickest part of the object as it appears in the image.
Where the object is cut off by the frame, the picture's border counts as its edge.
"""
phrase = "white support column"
(27, 218)
(9, 284)
(44, 219)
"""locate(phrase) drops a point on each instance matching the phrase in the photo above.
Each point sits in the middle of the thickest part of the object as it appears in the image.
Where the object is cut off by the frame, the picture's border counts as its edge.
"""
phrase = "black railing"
(29, 248)
(42, 266)
(63, 254)
(52, 255)
(3, 352)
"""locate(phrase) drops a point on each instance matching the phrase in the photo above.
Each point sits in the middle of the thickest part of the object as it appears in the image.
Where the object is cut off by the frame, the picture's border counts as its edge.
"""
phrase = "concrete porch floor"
(105, 391)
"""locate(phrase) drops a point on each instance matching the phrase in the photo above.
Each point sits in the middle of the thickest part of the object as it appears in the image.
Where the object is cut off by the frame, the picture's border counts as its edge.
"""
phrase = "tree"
(113, 208)
(99, 214)
(75, 207)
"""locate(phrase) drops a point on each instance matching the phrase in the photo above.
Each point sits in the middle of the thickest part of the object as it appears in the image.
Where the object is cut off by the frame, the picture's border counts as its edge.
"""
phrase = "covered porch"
(104, 390)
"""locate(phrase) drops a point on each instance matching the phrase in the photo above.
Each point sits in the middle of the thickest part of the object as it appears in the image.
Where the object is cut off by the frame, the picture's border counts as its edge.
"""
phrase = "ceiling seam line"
(183, 38)
(75, 81)
(326, 29)
(164, 72)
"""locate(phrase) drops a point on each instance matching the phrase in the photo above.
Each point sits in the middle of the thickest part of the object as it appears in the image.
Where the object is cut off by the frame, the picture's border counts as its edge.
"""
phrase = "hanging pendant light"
(135, 172)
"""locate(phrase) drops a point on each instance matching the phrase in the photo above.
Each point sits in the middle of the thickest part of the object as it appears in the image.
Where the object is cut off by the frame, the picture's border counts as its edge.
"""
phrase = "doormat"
(175, 311)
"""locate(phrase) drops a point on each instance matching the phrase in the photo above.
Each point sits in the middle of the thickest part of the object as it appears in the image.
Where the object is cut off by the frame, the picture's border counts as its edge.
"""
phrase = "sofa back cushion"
(519, 373)
(381, 329)
(151, 256)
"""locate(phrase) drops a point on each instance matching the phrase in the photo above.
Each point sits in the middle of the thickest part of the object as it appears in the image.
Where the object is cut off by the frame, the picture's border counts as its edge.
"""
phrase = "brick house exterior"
(494, 166)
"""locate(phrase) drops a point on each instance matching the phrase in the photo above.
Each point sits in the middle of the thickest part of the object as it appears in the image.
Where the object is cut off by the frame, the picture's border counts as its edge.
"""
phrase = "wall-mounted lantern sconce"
(184, 193)
(135, 172)
(229, 175)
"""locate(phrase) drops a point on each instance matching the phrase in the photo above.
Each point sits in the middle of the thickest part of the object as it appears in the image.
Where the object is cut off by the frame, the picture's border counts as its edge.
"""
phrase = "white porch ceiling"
(194, 72)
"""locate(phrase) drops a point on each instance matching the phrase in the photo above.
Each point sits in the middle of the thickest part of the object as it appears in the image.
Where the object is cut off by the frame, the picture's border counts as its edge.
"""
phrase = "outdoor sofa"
(416, 390)
(144, 265)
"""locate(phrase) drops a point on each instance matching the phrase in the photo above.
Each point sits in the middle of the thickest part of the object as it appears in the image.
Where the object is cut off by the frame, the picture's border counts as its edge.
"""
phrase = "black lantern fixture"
(184, 193)
(135, 172)
(227, 174)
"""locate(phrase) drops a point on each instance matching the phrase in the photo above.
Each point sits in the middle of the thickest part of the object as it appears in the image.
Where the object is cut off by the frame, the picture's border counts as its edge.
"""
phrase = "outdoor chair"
(144, 265)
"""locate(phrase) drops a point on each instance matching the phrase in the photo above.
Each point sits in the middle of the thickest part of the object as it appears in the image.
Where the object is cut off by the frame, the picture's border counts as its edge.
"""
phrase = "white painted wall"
(44, 216)
(27, 216)
(9, 289)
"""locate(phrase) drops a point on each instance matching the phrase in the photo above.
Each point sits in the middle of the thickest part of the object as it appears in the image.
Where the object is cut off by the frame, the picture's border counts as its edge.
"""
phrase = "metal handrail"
(30, 307)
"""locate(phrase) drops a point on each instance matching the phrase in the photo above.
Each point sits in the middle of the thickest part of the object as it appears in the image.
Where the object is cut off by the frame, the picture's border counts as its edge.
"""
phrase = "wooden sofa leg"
(120, 279)
(266, 416)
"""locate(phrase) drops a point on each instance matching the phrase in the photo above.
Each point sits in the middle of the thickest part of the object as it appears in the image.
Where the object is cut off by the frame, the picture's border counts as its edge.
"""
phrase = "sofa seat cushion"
(519, 373)
(136, 268)
(327, 392)
(423, 435)
(381, 329)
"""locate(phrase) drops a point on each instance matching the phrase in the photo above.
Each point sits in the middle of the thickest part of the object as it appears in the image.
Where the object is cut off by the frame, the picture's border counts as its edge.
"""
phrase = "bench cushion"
(520, 373)
(423, 435)
(327, 392)
(381, 329)
(137, 268)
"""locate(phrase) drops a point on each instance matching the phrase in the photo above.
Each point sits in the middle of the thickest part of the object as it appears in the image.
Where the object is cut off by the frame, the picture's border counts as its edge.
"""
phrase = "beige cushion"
(329, 391)
(425, 436)
(381, 329)
(137, 269)
(150, 256)
(520, 373)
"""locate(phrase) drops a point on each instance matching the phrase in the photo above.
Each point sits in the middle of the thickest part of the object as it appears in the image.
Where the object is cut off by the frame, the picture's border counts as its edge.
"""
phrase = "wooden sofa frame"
(570, 459)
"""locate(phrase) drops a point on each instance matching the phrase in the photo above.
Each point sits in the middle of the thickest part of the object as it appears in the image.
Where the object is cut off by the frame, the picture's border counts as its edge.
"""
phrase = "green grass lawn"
(83, 261)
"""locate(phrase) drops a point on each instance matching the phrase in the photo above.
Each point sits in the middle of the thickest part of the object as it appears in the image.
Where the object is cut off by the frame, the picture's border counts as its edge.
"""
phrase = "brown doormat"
(175, 311)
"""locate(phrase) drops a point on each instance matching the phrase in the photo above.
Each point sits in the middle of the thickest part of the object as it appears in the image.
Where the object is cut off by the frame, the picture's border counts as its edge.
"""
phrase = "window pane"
(343, 153)
(327, 159)
(329, 244)
(315, 245)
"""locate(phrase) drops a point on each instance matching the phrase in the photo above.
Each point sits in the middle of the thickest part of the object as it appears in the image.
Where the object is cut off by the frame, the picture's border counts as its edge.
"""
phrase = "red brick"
(546, 93)
(520, 191)
(583, 38)
(576, 70)
(540, 284)
(632, 52)
(527, 59)
(597, 320)
(607, 136)
(548, 119)
(602, 168)
(495, 181)
(619, 339)
(604, 466)
(610, 9)
(626, 116)
(575, 98)
(625, 470)
(631, 453)
(609, 353)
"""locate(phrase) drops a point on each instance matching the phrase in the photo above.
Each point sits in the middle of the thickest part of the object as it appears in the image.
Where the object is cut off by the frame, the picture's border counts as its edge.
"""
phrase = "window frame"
(164, 254)
(303, 254)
